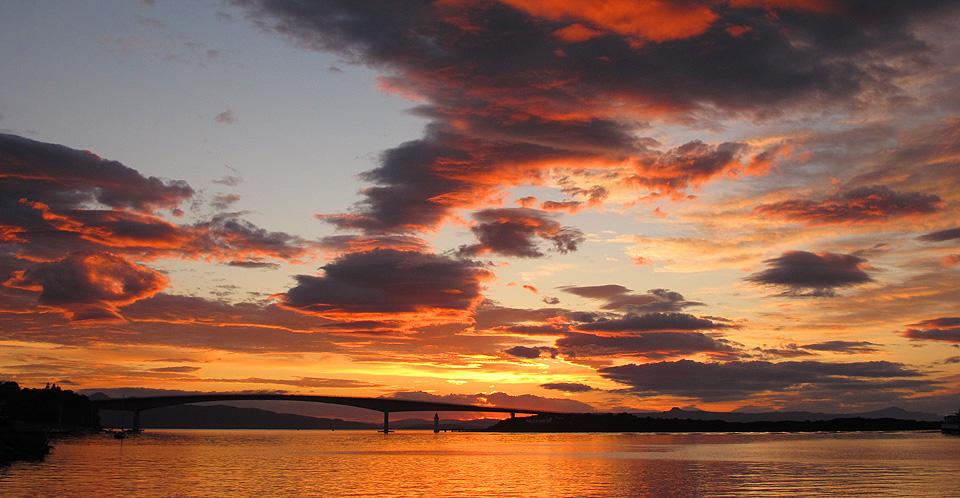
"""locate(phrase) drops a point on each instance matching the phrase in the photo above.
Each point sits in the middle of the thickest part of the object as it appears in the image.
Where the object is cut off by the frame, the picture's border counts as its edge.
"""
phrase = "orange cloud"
(737, 31)
(688, 165)
(874, 204)
(657, 20)
(818, 6)
(89, 286)
(384, 284)
(577, 33)
(513, 231)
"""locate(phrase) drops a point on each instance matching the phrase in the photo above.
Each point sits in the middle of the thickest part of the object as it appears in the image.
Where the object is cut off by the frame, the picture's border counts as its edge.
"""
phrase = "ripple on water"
(214, 464)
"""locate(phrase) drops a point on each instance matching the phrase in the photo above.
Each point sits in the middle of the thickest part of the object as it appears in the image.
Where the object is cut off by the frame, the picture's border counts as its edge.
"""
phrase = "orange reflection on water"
(355, 463)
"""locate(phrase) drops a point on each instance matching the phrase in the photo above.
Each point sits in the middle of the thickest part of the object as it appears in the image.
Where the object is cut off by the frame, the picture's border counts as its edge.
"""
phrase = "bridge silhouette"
(385, 405)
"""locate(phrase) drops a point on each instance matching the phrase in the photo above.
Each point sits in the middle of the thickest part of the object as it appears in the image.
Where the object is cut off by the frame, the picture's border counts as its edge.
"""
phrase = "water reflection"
(343, 463)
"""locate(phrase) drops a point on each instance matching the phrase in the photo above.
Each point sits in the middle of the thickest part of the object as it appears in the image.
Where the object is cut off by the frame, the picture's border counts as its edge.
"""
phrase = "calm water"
(180, 463)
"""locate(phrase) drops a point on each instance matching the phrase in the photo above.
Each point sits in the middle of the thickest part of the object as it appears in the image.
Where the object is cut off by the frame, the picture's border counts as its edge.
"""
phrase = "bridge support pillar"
(136, 421)
(386, 422)
(436, 423)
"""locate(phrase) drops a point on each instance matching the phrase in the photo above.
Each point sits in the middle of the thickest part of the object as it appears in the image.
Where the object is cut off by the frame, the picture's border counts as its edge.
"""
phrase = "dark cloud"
(587, 335)
(184, 323)
(784, 351)
(64, 178)
(844, 347)
(224, 201)
(492, 42)
(807, 274)
(371, 327)
(116, 231)
(598, 291)
(942, 235)
(739, 380)
(567, 387)
(174, 369)
(532, 330)
(690, 164)
(309, 382)
(89, 286)
(52, 201)
(595, 194)
(253, 264)
(228, 235)
(421, 182)
(652, 345)
(667, 301)
(652, 322)
(362, 243)
(923, 158)
(945, 329)
(847, 347)
(621, 298)
(523, 352)
(388, 281)
(229, 180)
(569, 206)
(531, 353)
(863, 205)
(72, 225)
(490, 315)
(512, 88)
(512, 232)
(941, 322)
(226, 117)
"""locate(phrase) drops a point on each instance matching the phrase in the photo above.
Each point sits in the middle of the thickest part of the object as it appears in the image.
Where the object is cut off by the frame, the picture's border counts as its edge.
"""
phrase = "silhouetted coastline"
(22, 444)
(27, 416)
(625, 422)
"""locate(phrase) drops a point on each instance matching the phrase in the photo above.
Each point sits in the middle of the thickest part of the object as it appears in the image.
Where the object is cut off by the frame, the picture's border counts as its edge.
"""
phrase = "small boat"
(951, 424)
(120, 435)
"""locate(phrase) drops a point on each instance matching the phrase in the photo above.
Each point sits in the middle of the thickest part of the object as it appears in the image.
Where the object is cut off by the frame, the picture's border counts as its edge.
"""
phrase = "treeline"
(47, 407)
(625, 422)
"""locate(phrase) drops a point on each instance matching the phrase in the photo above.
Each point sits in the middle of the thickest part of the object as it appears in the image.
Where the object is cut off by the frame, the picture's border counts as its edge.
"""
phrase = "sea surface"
(240, 463)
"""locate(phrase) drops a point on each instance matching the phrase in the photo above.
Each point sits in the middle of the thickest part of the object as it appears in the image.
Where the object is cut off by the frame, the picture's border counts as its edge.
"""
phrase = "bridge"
(385, 405)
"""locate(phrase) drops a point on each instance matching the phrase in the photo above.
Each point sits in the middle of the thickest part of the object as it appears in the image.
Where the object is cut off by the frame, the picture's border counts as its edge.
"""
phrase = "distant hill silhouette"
(232, 417)
(224, 417)
(625, 422)
(892, 412)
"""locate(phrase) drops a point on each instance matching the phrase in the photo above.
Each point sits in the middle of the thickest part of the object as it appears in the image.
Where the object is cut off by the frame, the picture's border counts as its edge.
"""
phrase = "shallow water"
(208, 463)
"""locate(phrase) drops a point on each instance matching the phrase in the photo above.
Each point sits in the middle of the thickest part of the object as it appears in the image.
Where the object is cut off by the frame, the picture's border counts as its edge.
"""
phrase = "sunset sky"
(572, 204)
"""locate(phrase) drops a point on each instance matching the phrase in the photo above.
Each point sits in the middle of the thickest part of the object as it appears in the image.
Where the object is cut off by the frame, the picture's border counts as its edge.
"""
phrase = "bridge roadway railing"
(385, 405)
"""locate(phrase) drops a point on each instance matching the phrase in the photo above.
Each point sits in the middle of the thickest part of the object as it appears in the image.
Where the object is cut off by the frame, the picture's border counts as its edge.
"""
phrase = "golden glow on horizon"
(608, 202)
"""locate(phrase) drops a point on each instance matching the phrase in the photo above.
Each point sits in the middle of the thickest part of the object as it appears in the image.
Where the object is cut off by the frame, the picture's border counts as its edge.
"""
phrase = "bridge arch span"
(385, 405)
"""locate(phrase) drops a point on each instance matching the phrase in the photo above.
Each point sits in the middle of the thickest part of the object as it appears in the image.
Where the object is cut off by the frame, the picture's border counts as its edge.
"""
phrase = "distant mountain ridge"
(232, 417)
(223, 417)
(625, 422)
(891, 412)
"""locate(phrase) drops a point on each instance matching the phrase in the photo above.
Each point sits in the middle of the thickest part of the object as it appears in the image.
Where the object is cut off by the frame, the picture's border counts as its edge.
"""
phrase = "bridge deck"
(385, 405)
